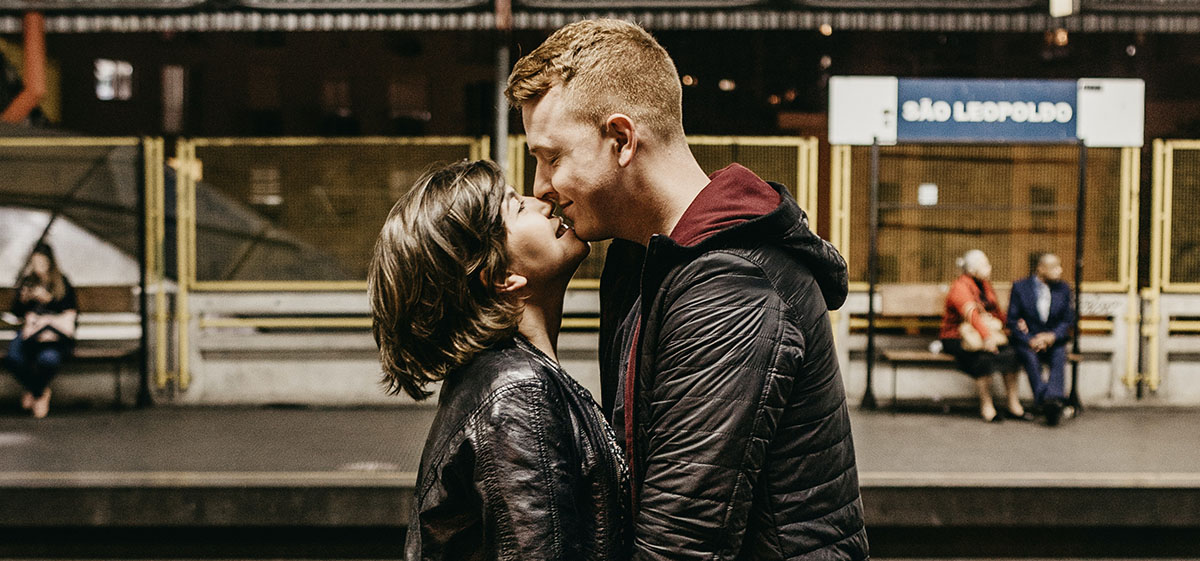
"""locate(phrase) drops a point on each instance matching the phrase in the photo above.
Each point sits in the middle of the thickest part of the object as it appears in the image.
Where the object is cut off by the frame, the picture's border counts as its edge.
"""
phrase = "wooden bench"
(921, 306)
(897, 358)
(109, 332)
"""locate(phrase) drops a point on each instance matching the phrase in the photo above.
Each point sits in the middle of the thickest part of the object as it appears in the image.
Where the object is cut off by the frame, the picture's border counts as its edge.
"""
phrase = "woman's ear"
(512, 283)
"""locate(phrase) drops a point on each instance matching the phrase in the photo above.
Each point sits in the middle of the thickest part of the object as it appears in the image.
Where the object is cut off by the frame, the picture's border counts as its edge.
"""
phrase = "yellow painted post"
(839, 197)
(515, 169)
(185, 154)
(809, 197)
(149, 226)
(481, 148)
(160, 295)
(1130, 192)
(1158, 270)
(155, 254)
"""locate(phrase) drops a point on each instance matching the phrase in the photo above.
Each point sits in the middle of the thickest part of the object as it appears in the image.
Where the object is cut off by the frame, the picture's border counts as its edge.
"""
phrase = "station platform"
(316, 473)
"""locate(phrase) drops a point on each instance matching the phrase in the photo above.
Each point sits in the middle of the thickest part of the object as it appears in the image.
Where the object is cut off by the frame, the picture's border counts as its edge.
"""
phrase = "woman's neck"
(541, 320)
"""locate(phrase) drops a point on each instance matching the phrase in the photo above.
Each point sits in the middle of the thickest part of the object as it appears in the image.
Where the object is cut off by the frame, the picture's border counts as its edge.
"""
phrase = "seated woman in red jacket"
(971, 301)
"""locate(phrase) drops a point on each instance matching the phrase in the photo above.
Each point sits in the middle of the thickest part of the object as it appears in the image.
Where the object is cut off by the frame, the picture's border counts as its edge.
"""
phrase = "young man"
(1040, 317)
(720, 372)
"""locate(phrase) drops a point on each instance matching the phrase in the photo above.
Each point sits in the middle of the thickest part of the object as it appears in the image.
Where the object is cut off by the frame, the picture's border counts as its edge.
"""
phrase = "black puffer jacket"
(519, 464)
(742, 444)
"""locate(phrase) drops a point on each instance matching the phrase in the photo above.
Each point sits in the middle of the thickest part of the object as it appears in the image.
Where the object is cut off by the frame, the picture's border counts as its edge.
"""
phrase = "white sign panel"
(861, 109)
(1112, 112)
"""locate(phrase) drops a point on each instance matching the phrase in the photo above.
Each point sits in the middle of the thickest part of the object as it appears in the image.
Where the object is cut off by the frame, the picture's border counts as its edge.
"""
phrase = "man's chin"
(588, 235)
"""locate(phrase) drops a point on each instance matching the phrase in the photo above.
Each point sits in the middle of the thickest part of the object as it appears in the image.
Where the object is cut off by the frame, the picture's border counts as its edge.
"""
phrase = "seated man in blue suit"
(1040, 316)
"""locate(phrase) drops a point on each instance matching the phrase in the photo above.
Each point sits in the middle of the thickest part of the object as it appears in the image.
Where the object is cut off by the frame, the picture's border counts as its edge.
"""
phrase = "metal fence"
(98, 202)
(1013, 202)
(1171, 302)
(296, 213)
(1176, 216)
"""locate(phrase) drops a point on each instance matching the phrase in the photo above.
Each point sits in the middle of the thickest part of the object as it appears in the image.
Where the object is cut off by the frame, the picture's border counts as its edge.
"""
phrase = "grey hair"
(972, 261)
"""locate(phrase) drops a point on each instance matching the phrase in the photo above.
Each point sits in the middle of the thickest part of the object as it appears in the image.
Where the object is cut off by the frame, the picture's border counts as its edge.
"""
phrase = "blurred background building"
(214, 172)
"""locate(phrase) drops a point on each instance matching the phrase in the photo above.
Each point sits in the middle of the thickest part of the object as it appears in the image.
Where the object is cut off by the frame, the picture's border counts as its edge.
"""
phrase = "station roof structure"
(85, 16)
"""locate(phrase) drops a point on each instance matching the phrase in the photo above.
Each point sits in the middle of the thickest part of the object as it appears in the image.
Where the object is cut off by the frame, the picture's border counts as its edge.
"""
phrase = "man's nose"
(544, 207)
(542, 188)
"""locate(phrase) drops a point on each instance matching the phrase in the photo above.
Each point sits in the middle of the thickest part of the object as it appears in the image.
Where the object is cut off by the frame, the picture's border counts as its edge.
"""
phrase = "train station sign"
(1101, 112)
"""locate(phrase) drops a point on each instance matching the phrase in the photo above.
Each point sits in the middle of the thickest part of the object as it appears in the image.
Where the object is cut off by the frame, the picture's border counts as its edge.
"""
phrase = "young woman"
(45, 302)
(971, 300)
(466, 286)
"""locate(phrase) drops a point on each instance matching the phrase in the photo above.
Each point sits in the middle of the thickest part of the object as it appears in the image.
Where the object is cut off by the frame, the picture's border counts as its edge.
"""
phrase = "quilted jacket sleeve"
(717, 396)
(525, 474)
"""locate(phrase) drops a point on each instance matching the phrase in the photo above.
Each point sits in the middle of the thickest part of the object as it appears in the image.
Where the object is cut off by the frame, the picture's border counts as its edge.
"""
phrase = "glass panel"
(280, 212)
(1185, 217)
(1009, 201)
(96, 188)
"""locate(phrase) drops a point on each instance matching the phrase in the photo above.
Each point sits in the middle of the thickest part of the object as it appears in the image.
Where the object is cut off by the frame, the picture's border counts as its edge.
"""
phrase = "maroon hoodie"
(733, 195)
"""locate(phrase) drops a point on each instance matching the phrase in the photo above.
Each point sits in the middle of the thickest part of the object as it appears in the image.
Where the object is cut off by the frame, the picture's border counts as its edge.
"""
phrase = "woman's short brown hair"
(434, 277)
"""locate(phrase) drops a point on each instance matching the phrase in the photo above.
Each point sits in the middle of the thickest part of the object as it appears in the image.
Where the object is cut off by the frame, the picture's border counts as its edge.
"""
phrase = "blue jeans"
(34, 364)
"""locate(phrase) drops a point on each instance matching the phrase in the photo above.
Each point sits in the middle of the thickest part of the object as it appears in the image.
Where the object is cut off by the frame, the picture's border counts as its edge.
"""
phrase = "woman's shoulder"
(965, 283)
(496, 373)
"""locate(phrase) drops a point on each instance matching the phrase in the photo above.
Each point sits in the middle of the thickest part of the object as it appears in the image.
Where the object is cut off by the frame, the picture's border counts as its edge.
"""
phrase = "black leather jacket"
(742, 444)
(519, 464)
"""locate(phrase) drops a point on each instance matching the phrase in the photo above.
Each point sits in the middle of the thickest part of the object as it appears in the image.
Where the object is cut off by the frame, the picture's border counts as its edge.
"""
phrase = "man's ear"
(512, 283)
(620, 128)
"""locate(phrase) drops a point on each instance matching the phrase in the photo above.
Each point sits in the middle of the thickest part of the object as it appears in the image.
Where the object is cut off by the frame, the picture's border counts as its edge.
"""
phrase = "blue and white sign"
(986, 110)
(1101, 112)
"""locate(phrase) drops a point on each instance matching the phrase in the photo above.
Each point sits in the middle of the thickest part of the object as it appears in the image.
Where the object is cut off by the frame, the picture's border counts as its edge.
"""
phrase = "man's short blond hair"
(605, 66)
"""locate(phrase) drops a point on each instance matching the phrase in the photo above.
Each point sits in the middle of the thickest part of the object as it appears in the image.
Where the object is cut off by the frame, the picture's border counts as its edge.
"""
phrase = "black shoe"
(1024, 416)
(1054, 413)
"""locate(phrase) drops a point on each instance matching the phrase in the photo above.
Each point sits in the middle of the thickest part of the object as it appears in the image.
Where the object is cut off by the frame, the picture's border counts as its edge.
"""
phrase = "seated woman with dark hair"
(46, 305)
(466, 286)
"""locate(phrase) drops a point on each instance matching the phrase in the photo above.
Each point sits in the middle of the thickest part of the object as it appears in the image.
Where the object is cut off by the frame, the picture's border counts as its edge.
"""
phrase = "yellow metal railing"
(843, 215)
(69, 142)
(847, 216)
(190, 171)
(185, 189)
(1165, 238)
(153, 216)
(1131, 166)
(799, 159)
(155, 257)
(1170, 152)
(473, 148)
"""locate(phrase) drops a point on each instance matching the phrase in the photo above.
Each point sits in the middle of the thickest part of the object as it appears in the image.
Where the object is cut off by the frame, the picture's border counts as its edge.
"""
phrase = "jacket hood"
(823, 260)
(786, 227)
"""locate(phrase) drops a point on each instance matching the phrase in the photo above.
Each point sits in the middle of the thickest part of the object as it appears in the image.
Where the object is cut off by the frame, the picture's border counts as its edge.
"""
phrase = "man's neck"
(671, 182)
